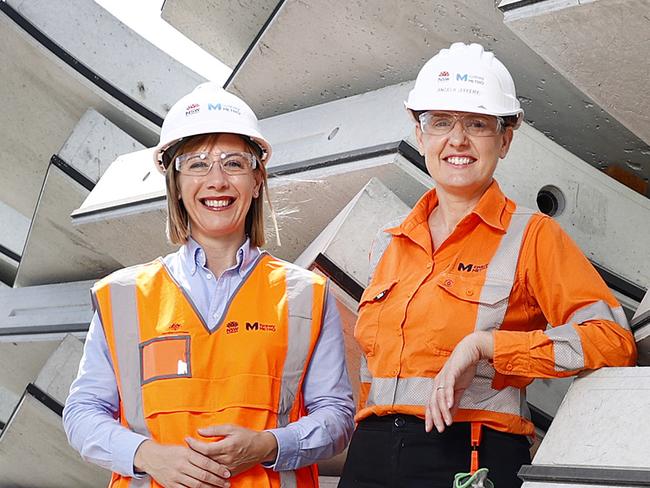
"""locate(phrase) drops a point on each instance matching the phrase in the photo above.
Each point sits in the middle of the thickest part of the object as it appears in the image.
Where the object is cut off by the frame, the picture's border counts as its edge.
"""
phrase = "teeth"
(460, 161)
(217, 203)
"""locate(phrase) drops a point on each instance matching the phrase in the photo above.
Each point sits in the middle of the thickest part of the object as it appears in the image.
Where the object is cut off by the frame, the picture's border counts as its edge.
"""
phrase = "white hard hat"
(465, 78)
(209, 109)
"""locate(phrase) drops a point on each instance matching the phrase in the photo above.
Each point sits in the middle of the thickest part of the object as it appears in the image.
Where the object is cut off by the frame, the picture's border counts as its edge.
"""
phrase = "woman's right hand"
(179, 466)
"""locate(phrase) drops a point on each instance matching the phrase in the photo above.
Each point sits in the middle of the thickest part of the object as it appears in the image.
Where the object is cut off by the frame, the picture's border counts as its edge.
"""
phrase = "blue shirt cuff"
(124, 449)
(288, 449)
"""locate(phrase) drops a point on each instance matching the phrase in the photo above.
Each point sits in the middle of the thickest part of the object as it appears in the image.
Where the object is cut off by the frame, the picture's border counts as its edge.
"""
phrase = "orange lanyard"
(476, 441)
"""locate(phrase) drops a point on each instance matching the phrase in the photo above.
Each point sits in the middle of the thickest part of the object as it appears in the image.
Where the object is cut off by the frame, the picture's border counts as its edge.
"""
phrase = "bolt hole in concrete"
(550, 200)
(333, 133)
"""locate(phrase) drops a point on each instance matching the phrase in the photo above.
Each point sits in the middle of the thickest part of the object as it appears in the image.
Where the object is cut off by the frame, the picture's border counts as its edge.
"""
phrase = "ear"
(258, 184)
(419, 138)
(506, 140)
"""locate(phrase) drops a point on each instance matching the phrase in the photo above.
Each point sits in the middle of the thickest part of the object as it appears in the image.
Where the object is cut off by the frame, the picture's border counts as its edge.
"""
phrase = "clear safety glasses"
(200, 164)
(478, 125)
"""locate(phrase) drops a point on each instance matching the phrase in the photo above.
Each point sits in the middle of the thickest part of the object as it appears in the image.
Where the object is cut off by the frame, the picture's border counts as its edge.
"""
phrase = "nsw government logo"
(192, 109)
(443, 76)
(232, 327)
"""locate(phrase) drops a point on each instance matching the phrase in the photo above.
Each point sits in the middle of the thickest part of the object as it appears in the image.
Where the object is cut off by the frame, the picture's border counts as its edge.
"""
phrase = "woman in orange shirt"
(453, 323)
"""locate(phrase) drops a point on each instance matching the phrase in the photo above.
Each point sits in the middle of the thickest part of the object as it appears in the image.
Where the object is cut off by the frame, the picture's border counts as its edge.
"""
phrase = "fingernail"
(226, 474)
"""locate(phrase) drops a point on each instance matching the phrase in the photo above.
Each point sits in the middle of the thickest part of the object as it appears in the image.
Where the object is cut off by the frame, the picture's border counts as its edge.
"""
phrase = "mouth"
(217, 204)
(459, 161)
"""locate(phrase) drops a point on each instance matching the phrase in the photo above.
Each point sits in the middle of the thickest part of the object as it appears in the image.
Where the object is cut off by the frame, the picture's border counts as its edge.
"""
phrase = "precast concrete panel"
(346, 241)
(602, 416)
(20, 363)
(55, 251)
(47, 309)
(312, 53)
(127, 61)
(603, 216)
(224, 28)
(43, 99)
(304, 201)
(608, 61)
(34, 451)
(60, 369)
(641, 326)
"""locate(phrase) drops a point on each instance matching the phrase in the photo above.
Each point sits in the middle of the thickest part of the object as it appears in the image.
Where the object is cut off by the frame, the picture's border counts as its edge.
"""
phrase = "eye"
(477, 123)
(440, 122)
(235, 162)
(196, 164)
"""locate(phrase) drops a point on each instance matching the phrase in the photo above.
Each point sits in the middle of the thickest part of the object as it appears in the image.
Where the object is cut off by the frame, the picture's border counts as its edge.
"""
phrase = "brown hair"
(178, 223)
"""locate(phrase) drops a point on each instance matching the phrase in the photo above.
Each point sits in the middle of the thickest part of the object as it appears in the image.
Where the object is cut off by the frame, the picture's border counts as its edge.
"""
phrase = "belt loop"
(475, 442)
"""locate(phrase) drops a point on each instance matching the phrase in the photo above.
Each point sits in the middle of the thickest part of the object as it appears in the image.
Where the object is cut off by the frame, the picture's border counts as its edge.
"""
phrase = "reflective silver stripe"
(300, 292)
(300, 296)
(500, 275)
(288, 479)
(599, 311)
(364, 372)
(499, 280)
(567, 347)
(126, 331)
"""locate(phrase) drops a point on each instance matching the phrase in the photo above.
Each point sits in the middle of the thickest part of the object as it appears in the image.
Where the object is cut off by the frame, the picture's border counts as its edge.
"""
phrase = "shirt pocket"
(370, 307)
(461, 303)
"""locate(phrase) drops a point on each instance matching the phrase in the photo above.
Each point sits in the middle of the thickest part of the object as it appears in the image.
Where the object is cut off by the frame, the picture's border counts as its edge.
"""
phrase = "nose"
(217, 177)
(457, 136)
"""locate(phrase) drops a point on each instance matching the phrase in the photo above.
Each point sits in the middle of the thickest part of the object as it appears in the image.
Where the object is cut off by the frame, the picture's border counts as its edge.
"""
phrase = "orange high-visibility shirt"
(504, 269)
(175, 375)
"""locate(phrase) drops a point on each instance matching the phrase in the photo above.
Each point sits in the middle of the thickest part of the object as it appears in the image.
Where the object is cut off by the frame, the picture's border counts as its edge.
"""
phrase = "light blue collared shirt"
(93, 403)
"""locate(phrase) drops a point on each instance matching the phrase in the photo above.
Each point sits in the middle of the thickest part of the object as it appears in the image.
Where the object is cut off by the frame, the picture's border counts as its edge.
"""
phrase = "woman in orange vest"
(453, 324)
(217, 365)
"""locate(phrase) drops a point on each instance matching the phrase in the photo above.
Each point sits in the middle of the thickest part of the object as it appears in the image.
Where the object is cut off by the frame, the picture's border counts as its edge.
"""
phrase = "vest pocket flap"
(490, 292)
(254, 391)
(376, 292)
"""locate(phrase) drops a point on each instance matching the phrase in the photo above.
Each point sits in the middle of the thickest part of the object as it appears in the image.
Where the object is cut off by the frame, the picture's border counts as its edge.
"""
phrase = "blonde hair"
(178, 222)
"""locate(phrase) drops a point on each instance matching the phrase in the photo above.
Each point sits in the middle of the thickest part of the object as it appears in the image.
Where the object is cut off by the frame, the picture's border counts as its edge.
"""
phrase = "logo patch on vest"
(472, 268)
(174, 326)
(232, 327)
(259, 326)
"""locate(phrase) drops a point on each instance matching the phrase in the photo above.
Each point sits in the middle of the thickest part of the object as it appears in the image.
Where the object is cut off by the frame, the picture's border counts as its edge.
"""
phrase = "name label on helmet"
(223, 107)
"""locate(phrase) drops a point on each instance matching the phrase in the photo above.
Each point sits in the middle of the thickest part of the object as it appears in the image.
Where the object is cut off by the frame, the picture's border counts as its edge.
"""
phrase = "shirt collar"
(196, 258)
(490, 209)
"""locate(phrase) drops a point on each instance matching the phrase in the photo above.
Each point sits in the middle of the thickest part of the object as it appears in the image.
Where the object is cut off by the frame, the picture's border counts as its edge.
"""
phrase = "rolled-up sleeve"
(588, 329)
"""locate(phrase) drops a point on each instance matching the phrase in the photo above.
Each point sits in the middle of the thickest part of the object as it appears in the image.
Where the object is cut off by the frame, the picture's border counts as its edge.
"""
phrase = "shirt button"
(208, 276)
(215, 316)
(448, 283)
(509, 367)
(429, 266)
(400, 422)
(394, 372)
(469, 293)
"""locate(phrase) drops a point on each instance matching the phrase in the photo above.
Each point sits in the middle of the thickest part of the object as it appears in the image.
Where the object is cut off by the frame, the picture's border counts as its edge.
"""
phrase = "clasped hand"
(206, 464)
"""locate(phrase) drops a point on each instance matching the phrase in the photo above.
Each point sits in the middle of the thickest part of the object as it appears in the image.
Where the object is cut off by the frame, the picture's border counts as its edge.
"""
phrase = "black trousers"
(394, 451)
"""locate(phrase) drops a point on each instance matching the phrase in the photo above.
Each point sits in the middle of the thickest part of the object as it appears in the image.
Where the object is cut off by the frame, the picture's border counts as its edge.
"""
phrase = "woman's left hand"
(454, 378)
(238, 448)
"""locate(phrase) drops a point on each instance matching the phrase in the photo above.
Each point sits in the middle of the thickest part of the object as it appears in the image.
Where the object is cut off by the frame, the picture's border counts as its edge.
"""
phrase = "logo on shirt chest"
(261, 327)
(233, 327)
(472, 268)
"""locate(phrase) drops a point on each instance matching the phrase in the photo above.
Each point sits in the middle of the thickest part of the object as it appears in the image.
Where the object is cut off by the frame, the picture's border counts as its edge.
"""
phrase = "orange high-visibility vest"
(174, 375)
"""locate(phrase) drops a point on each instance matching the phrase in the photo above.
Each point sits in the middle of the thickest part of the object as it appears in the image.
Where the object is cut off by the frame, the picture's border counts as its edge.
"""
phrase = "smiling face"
(217, 204)
(463, 165)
